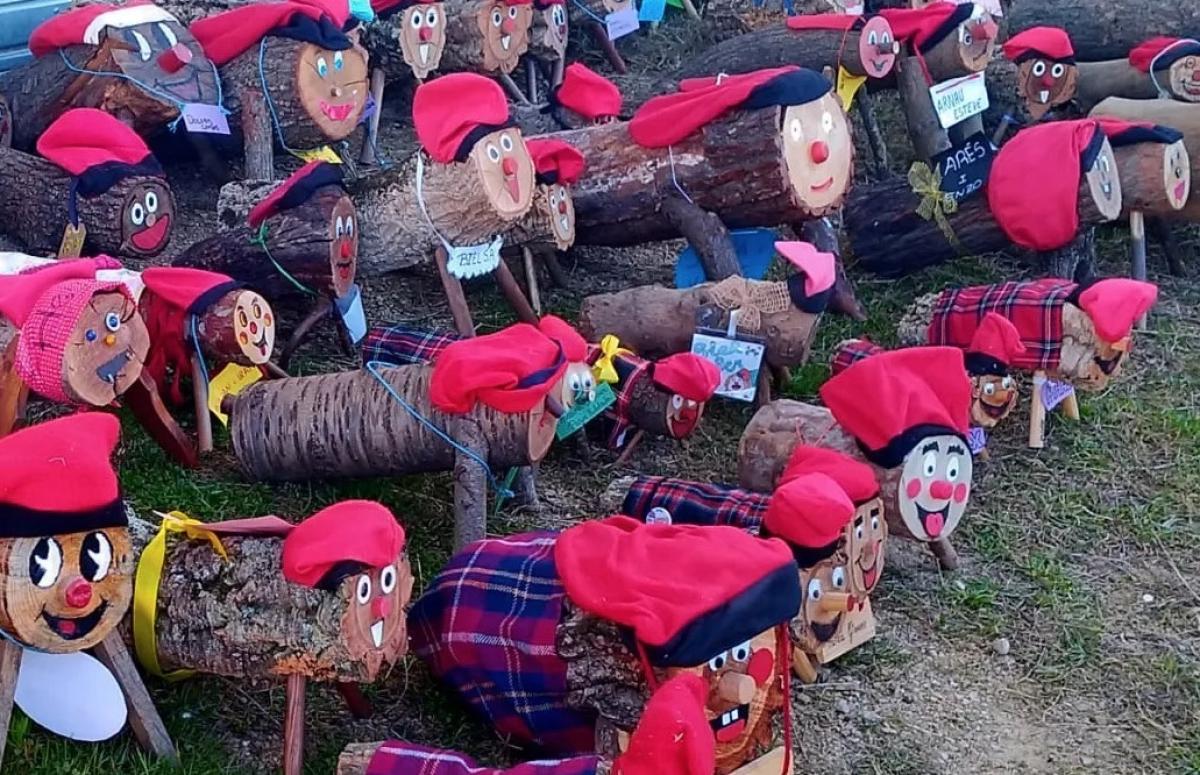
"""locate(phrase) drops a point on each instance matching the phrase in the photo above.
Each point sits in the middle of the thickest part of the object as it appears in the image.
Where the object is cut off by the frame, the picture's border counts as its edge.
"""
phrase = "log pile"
(485, 36)
(407, 45)
(1106, 29)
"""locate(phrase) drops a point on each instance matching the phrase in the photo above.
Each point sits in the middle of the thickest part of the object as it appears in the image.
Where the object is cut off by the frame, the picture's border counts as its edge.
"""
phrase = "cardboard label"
(474, 260)
(72, 241)
(652, 11)
(350, 309)
(964, 169)
(858, 627)
(1055, 392)
(847, 86)
(739, 361)
(205, 119)
(232, 380)
(580, 415)
(324, 153)
(621, 23)
(958, 99)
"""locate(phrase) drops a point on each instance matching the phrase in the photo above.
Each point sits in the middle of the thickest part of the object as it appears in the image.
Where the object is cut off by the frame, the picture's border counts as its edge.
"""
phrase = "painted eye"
(112, 321)
(741, 652)
(497, 17)
(966, 38)
(512, 12)
(168, 34)
(493, 152)
(95, 557)
(875, 524)
(387, 579)
(1039, 68)
(142, 44)
(574, 384)
(553, 198)
(338, 61)
(339, 227)
(719, 661)
(839, 577)
(415, 20)
(322, 67)
(859, 532)
(362, 590)
(588, 382)
(506, 143)
(151, 202)
(873, 38)
(1058, 70)
(137, 214)
(989, 389)
(814, 590)
(431, 17)
(559, 15)
(827, 122)
(677, 401)
(796, 130)
(45, 563)
(929, 464)
(1006, 383)
(242, 318)
(1104, 163)
(349, 226)
(257, 310)
(90, 335)
(952, 469)
(885, 38)
(562, 194)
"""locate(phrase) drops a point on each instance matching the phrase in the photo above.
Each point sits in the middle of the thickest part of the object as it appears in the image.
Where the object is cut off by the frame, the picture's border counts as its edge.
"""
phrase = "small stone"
(1147, 598)
(871, 718)
(187, 714)
(842, 706)
(1001, 646)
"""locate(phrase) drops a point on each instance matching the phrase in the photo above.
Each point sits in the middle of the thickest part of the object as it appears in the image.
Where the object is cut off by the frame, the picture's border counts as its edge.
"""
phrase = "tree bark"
(1113, 78)
(926, 132)
(1143, 185)
(355, 758)
(464, 51)
(776, 45)
(1106, 29)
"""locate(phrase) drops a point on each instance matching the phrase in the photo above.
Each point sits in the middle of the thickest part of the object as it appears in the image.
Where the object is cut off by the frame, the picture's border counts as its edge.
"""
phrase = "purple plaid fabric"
(850, 352)
(486, 626)
(696, 503)
(631, 368)
(398, 758)
(400, 345)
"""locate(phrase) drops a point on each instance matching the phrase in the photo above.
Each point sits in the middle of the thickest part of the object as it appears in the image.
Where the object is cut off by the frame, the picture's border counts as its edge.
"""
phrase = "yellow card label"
(847, 86)
(72, 241)
(324, 153)
(232, 380)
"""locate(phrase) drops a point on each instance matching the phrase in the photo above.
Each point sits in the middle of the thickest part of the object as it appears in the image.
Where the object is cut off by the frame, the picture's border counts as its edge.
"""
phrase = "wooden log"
(485, 36)
(550, 223)
(549, 33)
(145, 723)
(132, 218)
(1106, 29)
(407, 45)
(1117, 78)
(924, 129)
(1156, 178)
(1029, 91)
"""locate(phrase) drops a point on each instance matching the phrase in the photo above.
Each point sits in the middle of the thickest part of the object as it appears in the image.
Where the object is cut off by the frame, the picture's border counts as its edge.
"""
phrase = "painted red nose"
(79, 594)
(819, 151)
(345, 250)
(381, 606)
(508, 25)
(1047, 80)
(941, 490)
(174, 58)
(426, 33)
(509, 166)
(562, 208)
(253, 327)
(984, 30)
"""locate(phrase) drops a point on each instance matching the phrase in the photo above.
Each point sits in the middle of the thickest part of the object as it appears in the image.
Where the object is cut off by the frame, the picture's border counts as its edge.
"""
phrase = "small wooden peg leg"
(356, 701)
(944, 551)
(600, 34)
(560, 65)
(531, 73)
(371, 141)
(204, 433)
(455, 297)
(802, 666)
(324, 308)
(630, 446)
(470, 484)
(1037, 412)
(1070, 407)
(762, 396)
(557, 275)
(525, 486)
(514, 90)
(144, 720)
(1137, 253)
(10, 665)
(144, 401)
(531, 280)
(516, 297)
(293, 726)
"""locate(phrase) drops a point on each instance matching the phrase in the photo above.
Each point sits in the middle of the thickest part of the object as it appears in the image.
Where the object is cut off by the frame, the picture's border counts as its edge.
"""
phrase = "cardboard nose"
(425, 34)
(736, 687)
(174, 58)
(509, 166)
(819, 151)
(78, 594)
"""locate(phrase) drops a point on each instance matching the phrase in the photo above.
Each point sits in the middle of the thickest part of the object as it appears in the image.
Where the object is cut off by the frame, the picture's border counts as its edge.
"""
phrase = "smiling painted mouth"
(823, 632)
(682, 422)
(730, 725)
(514, 187)
(932, 522)
(343, 268)
(1180, 187)
(337, 112)
(995, 412)
(870, 574)
(153, 237)
(261, 344)
(74, 629)
(1108, 365)
(377, 634)
(186, 88)
(1191, 87)
(823, 186)
(110, 370)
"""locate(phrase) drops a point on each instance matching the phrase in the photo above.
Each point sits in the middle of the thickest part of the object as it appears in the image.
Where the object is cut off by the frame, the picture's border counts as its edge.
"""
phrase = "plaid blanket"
(400, 345)
(630, 369)
(1035, 308)
(696, 503)
(398, 758)
(850, 352)
(486, 626)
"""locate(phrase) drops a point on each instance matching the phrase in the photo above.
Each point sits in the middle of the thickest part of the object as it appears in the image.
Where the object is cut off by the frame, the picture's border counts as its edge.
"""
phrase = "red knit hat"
(1060, 152)
(809, 511)
(226, 35)
(994, 345)
(511, 370)
(890, 401)
(924, 28)
(82, 25)
(555, 161)
(1162, 52)
(341, 540)
(672, 737)
(57, 477)
(296, 190)
(1114, 305)
(856, 478)
(692, 376)
(811, 289)
(721, 587)
(97, 149)
(574, 346)
(587, 93)
(452, 112)
(1051, 43)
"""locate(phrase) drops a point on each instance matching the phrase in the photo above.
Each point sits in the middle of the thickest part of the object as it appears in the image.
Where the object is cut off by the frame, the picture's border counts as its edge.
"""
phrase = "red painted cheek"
(913, 488)
(960, 493)
(761, 667)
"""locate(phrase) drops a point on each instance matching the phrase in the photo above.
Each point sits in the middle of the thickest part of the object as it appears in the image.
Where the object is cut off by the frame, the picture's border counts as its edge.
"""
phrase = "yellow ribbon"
(936, 204)
(603, 368)
(145, 590)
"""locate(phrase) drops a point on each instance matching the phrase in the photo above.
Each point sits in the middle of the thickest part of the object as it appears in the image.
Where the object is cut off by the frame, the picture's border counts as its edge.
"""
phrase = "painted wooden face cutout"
(977, 40)
(167, 57)
(1104, 183)
(818, 152)
(1177, 174)
(343, 248)
(1184, 79)
(866, 536)
(105, 352)
(254, 325)
(506, 171)
(65, 592)
(423, 37)
(505, 30)
(559, 208)
(992, 399)
(577, 386)
(146, 218)
(825, 588)
(555, 32)
(333, 87)
(683, 415)
(1085, 359)
(374, 626)
(877, 47)
(935, 485)
(1044, 84)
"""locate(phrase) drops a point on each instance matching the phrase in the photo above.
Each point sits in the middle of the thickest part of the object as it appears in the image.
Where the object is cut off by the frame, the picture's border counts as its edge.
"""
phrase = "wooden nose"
(736, 687)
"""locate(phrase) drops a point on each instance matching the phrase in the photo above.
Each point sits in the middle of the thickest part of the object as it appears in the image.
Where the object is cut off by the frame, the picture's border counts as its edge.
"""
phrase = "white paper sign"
(350, 308)
(206, 119)
(621, 23)
(739, 362)
(991, 6)
(72, 695)
(474, 260)
(958, 99)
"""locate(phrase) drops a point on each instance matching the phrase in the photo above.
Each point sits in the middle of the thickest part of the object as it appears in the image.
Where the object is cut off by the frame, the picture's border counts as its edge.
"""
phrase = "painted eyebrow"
(957, 448)
(930, 447)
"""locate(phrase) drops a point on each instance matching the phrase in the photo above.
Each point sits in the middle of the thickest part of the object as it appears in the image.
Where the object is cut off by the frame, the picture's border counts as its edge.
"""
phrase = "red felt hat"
(819, 269)
(574, 346)
(994, 345)
(1121, 132)
(555, 161)
(96, 148)
(1047, 42)
(890, 401)
(57, 477)
(924, 28)
(340, 540)
(82, 25)
(385, 8)
(809, 511)
(824, 21)
(19, 293)
(1162, 52)
(1114, 305)
(1060, 152)
(511, 370)
(692, 376)
(226, 35)
(296, 190)
(856, 478)
(588, 93)
(447, 111)
(673, 736)
(721, 587)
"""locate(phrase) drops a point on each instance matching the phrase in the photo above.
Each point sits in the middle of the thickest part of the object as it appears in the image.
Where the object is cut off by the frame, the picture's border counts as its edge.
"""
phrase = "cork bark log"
(1106, 29)
(773, 46)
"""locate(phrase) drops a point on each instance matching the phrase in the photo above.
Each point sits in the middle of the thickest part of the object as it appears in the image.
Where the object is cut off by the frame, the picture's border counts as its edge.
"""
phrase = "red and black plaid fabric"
(486, 626)
(401, 345)
(399, 758)
(850, 352)
(631, 369)
(1035, 308)
(696, 503)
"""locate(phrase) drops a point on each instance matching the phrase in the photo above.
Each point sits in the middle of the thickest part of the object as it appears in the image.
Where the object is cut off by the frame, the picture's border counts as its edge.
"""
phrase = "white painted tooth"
(377, 633)
(505, 41)
(424, 49)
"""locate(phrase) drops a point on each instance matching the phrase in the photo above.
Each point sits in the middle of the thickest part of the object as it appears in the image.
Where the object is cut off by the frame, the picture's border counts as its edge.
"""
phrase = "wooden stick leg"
(1037, 412)
(557, 275)
(782, 377)
(513, 89)
(691, 9)
(606, 45)
(531, 281)
(820, 232)
(274, 371)
(526, 488)
(875, 141)
(470, 484)
(1070, 407)
(258, 137)
(762, 396)
(630, 446)
(1160, 229)
(943, 550)
(356, 701)
(1137, 253)
(512, 291)
(293, 726)
(532, 78)
(560, 65)
(204, 433)
(324, 309)
(454, 296)
(10, 665)
(144, 720)
(144, 400)
(378, 81)
(705, 232)
(803, 667)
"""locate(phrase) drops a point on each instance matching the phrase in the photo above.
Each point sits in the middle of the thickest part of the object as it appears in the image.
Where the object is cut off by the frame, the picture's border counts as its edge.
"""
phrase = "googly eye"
(387, 579)
(1039, 68)
(929, 464)
(168, 35)
(493, 152)
(719, 661)
(497, 17)
(90, 335)
(795, 129)
(45, 563)
(414, 20)
(142, 44)
(589, 383)
(431, 17)
(989, 389)
(137, 214)
(1007, 383)
(362, 590)
(322, 67)
(827, 122)
(839, 577)
(952, 469)
(338, 61)
(677, 401)
(112, 321)
(151, 202)
(95, 557)
(1058, 70)
(506, 142)
(741, 652)
(574, 383)
(814, 590)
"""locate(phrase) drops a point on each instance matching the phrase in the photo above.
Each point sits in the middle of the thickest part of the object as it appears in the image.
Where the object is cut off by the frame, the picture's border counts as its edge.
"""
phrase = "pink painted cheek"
(913, 488)
(960, 493)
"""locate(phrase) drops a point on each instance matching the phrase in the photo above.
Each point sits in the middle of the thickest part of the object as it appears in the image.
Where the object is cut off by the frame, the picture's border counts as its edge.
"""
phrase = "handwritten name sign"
(739, 361)
(958, 99)
(965, 168)
(205, 119)
(474, 260)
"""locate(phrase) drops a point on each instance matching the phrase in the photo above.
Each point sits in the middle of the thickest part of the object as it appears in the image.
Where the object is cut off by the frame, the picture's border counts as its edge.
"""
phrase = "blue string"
(372, 368)
(262, 78)
(199, 355)
(588, 11)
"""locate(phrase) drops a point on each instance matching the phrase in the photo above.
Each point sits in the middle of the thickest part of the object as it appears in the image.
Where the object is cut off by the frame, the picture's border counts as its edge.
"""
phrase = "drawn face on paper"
(66, 592)
(1183, 78)
(506, 171)
(865, 538)
(935, 485)
(1044, 84)
(343, 249)
(554, 37)
(165, 55)
(1177, 174)
(683, 415)
(818, 152)
(374, 626)
(505, 30)
(578, 385)
(992, 399)
(254, 327)
(1104, 183)
(559, 208)
(977, 40)
(423, 37)
(877, 47)
(826, 599)
(1086, 360)
(106, 349)
(6, 126)
(333, 87)
(146, 218)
